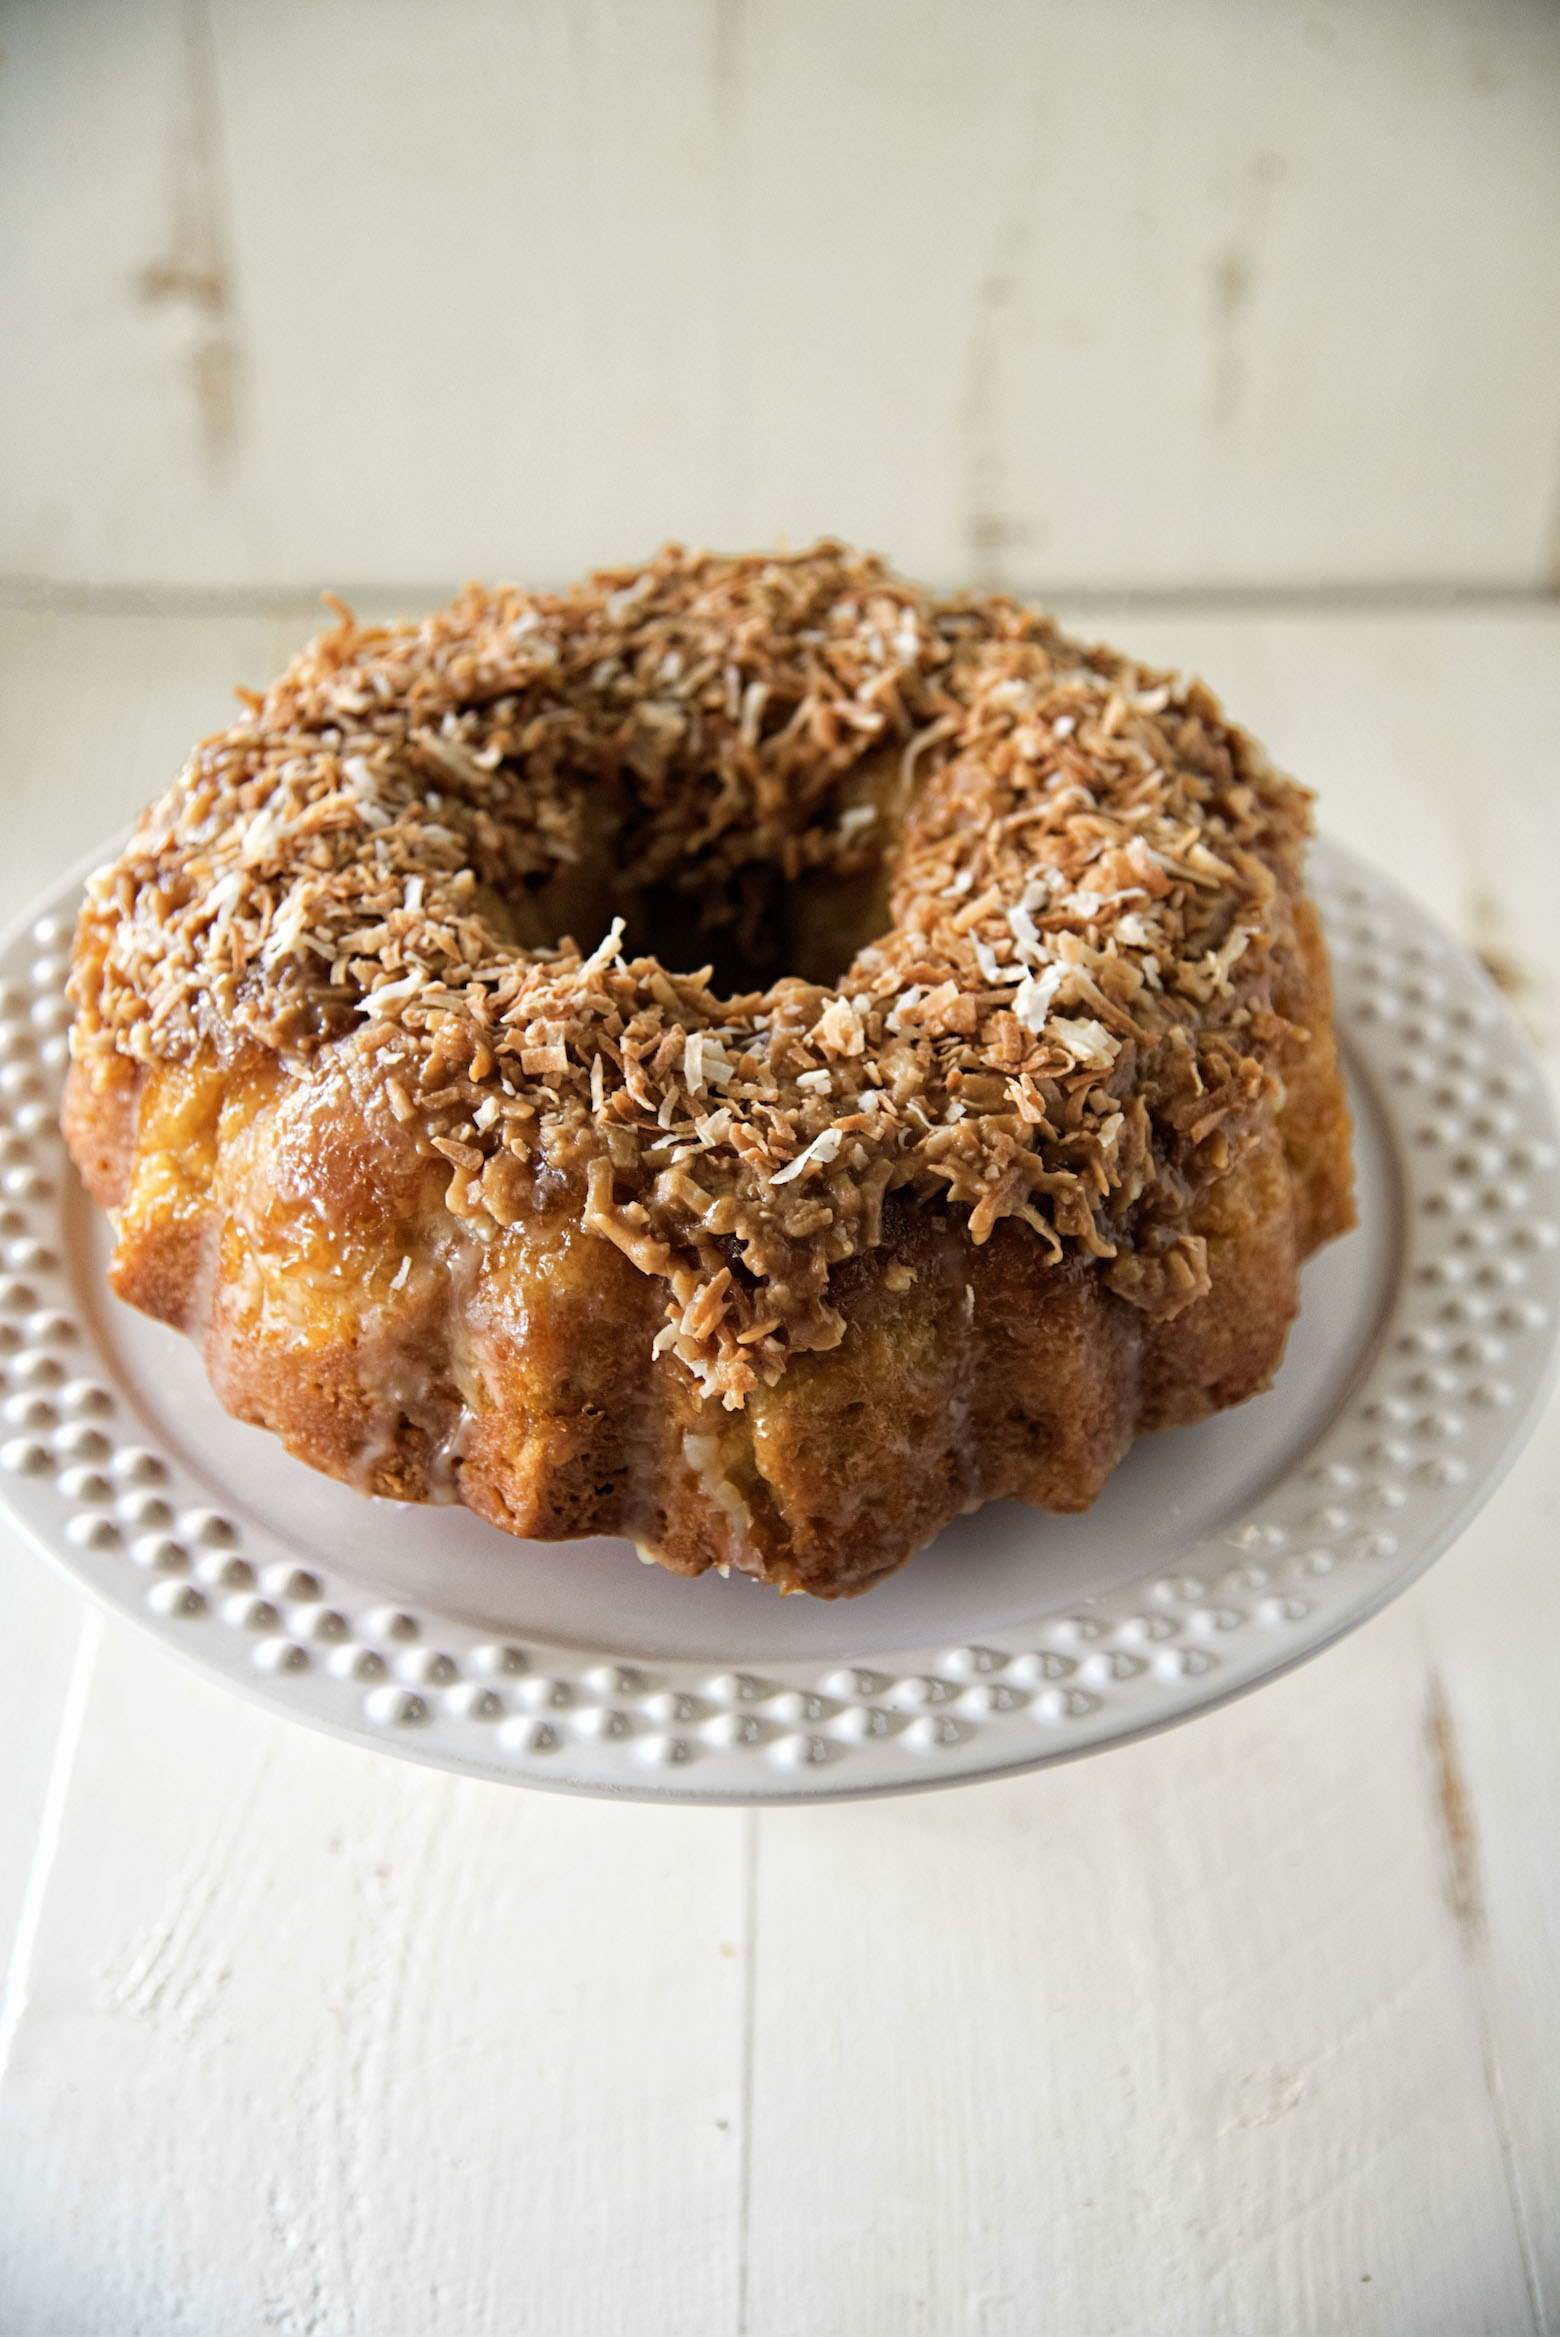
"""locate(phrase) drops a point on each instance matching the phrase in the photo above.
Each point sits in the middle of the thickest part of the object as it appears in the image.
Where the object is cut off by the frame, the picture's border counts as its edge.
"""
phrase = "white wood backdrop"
(1247, 2032)
(1018, 291)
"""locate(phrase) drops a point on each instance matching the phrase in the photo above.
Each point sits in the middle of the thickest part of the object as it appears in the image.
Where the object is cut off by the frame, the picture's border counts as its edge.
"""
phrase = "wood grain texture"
(1016, 292)
(320, 2041)
(1250, 2028)
(1492, 1615)
(1235, 2079)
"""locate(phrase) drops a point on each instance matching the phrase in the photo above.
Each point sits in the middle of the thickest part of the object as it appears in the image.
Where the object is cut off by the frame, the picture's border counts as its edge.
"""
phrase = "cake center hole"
(753, 925)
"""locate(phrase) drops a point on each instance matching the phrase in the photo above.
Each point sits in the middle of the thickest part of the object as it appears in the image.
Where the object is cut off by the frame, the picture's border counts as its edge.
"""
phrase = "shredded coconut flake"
(1022, 927)
(1086, 1041)
(605, 950)
(705, 1062)
(391, 995)
(1032, 999)
(822, 1149)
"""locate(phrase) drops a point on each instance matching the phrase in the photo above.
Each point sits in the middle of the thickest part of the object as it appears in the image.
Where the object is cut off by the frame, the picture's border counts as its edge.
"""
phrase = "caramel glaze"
(267, 1216)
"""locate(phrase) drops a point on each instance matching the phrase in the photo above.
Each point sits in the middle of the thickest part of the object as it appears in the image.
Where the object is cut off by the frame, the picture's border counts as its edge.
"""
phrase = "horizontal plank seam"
(1385, 597)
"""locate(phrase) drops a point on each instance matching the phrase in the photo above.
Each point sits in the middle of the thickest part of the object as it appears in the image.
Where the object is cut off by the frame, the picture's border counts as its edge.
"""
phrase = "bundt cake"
(742, 1054)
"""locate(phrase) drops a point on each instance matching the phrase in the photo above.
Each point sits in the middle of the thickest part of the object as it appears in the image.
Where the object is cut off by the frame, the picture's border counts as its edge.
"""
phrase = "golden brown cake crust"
(782, 1277)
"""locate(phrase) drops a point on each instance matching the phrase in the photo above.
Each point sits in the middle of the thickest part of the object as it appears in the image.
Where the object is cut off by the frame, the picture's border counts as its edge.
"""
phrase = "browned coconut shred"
(1069, 1022)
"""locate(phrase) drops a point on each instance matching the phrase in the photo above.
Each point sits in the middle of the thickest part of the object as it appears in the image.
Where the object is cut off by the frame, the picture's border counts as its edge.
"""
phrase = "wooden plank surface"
(1250, 2028)
(317, 2040)
(1014, 290)
(1179, 2042)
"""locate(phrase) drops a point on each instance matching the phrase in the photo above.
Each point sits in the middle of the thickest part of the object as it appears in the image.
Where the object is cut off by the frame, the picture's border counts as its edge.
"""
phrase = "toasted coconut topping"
(1069, 1020)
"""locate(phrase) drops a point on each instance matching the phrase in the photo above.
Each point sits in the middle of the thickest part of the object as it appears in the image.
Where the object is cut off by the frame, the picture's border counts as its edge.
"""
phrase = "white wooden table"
(1248, 2029)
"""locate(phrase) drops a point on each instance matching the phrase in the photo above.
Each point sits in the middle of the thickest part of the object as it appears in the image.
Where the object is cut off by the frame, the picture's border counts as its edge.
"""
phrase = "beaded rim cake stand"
(1015, 1641)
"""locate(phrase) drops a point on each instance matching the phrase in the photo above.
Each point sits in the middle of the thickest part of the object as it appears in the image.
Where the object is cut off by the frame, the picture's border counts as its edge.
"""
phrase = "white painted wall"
(1021, 291)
